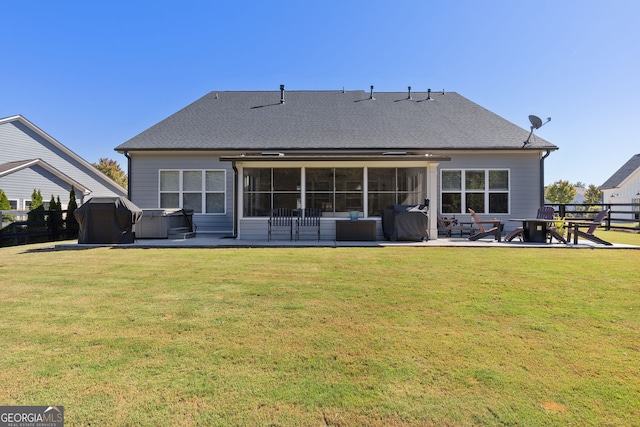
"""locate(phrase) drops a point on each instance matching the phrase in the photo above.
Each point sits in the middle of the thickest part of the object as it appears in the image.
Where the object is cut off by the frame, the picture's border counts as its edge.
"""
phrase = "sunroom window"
(334, 190)
(394, 186)
(270, 188)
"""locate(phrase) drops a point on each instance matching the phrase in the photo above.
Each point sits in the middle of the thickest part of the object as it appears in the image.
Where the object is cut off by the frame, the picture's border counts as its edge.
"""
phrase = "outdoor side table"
(534, 229)
(359, 230)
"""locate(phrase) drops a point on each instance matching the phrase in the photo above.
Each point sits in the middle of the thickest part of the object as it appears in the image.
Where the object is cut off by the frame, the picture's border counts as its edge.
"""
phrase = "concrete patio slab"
(207, 240)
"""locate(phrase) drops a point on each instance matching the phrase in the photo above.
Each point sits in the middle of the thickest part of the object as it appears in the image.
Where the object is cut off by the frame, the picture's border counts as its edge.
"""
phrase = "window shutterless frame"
(203, 190)
(486, 191)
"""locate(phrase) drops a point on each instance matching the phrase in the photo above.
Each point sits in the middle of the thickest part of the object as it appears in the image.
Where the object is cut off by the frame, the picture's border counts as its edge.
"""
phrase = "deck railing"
(622, 216)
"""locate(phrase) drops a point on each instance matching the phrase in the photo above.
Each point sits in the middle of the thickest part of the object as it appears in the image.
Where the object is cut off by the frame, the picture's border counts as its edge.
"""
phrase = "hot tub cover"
(107, 220)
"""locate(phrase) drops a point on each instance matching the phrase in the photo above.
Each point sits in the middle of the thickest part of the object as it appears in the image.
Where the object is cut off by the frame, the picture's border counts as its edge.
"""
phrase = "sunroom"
(338, 185)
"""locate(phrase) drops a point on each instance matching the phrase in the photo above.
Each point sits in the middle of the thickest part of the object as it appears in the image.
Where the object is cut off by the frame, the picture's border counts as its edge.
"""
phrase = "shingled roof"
(333, 120)
(623, 173)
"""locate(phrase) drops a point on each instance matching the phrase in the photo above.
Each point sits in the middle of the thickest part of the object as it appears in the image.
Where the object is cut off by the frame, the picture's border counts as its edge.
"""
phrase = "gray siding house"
(233, 156)
(31, 159)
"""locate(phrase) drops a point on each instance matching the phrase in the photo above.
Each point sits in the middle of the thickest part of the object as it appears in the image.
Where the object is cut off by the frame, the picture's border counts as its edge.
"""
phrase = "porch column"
(432, 195)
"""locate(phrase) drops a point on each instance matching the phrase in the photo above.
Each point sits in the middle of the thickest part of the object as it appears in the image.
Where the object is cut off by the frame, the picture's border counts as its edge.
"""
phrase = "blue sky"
(94, 74)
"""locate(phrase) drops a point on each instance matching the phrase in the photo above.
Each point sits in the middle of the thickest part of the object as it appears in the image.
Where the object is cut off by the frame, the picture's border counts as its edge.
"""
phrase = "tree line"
(563, 192)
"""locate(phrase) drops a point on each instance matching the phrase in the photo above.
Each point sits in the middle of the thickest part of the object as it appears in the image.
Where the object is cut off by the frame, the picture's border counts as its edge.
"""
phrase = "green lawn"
(396, 336)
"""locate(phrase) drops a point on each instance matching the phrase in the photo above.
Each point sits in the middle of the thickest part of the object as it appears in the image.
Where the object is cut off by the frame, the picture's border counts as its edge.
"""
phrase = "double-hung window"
(483, 190)
(200, 190)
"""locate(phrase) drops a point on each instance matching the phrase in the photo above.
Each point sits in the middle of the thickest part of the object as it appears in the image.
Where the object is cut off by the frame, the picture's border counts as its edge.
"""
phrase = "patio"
(210, 240)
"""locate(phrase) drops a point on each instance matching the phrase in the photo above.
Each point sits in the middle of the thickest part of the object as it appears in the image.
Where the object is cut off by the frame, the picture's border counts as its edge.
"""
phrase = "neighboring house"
(232, 156)
(31, 159)
(624, 185)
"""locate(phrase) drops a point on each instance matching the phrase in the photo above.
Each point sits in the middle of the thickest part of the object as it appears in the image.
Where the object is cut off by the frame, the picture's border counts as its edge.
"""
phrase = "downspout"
(235, 200)
(129, 186)
(542, 176)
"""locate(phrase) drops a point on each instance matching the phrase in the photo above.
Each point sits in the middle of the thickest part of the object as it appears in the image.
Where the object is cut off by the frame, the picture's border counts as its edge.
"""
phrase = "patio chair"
(448, 226)
(308, 220)
(555, 230)
(545, 212)
(495, 230)
(573, 227)
(444, 225)
(281, 220)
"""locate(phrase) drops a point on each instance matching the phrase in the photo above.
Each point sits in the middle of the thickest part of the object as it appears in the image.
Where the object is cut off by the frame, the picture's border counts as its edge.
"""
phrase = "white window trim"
(204, 192)
(486, 191)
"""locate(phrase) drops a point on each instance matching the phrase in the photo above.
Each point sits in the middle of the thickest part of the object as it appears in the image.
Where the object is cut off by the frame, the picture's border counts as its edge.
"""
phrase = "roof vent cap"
(429, 98)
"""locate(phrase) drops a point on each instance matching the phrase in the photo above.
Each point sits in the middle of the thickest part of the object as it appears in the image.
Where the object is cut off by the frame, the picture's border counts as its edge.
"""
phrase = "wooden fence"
(622, 216)
(37, 226)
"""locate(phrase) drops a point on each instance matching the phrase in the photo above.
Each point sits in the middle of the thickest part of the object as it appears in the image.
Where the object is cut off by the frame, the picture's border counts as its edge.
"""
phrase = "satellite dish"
(536, 121)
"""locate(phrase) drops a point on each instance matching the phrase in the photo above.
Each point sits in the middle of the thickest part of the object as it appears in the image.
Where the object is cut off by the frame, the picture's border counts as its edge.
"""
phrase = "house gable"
(623, 174)
(24, 145)
(35, 164)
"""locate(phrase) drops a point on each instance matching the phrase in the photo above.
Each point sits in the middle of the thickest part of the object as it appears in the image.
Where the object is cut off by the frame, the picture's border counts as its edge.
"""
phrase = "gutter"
(235, 200)
(129, 186)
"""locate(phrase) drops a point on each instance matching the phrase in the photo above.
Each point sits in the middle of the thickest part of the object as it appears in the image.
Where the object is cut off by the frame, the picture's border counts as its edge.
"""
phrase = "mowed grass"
(398, 336)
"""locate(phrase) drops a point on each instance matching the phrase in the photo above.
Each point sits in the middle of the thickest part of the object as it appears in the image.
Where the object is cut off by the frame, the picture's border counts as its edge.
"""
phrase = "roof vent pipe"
(281, 94)
(371, 95)
(409, 95)
(429, 98)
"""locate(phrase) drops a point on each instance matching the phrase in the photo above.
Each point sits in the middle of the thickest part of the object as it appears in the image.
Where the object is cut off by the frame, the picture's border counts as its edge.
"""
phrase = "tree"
(5, 206)
(36, 215)
(112, 169)
(36, 199)
(55, 217)
(72, 205)
(561, 192)
(71, 224)
(592, 195)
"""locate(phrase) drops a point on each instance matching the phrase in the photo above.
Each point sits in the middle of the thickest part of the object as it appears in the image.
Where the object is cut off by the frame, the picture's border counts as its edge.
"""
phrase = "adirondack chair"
(281, 220)
(545, 212)
(308, 220)
(494, 231)
(573, 227)
(447, 226)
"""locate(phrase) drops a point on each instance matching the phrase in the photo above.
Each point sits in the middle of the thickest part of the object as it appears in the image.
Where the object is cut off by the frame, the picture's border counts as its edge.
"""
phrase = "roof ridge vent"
(281, 94)
(371, 95)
